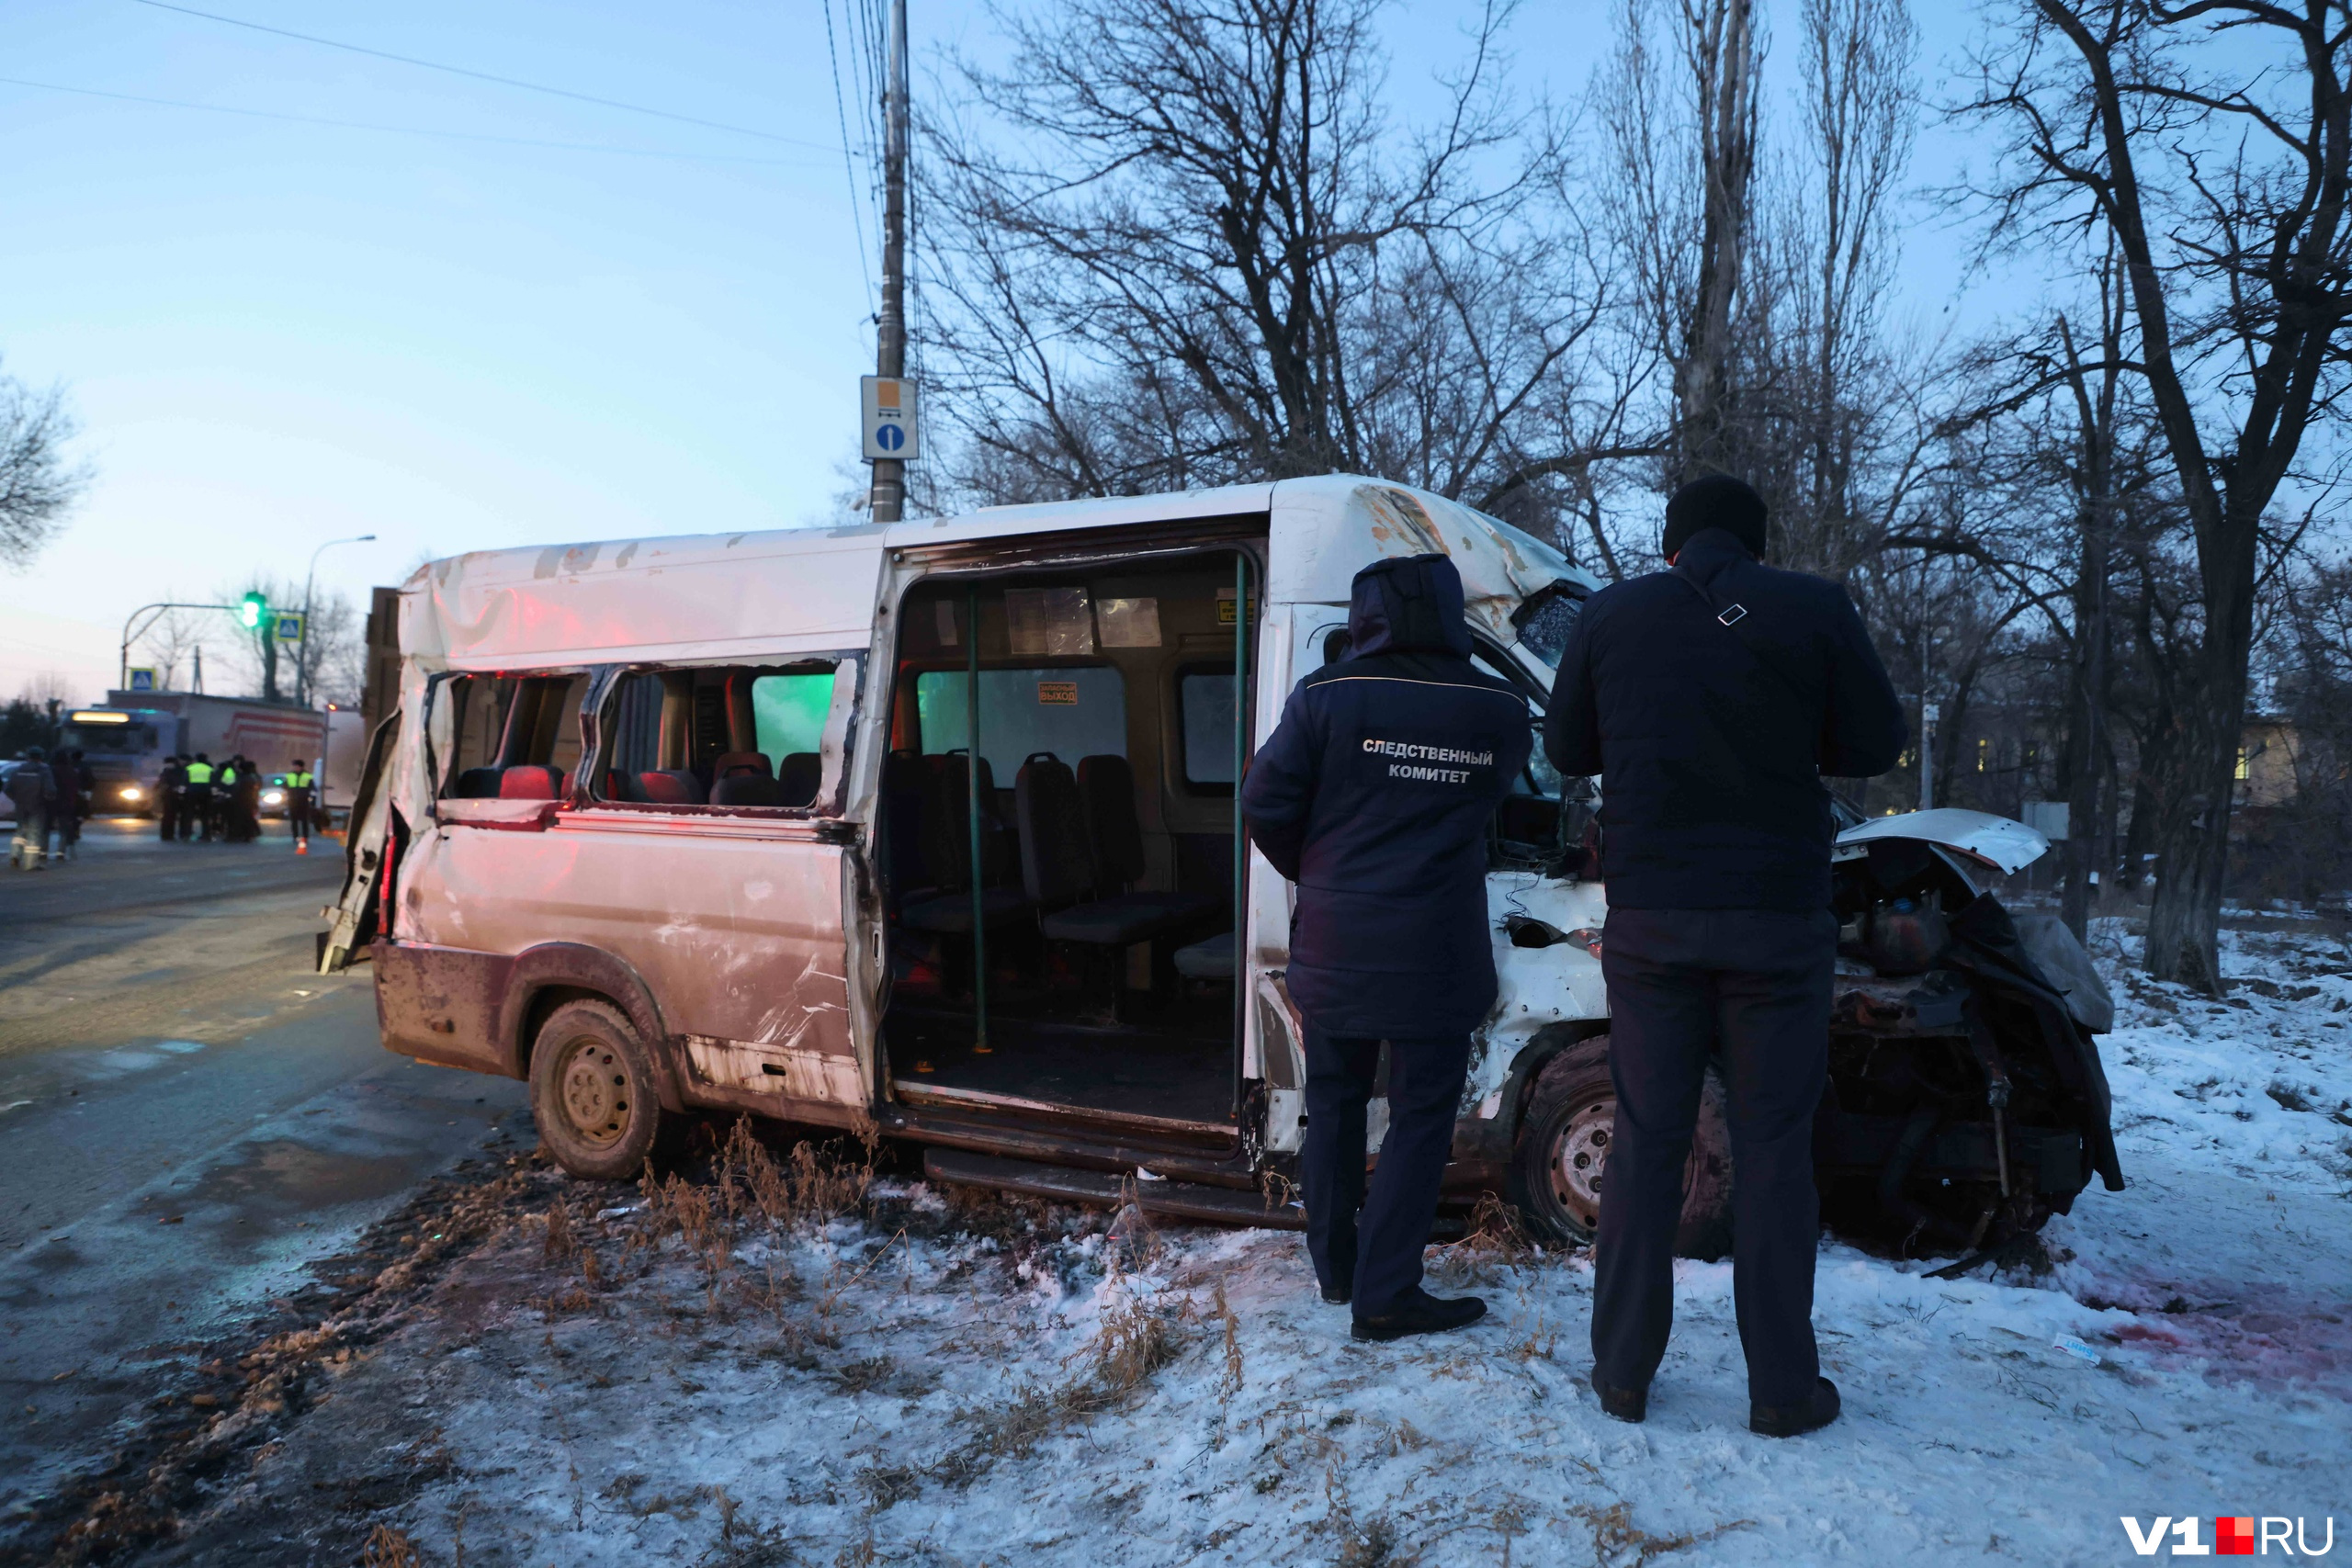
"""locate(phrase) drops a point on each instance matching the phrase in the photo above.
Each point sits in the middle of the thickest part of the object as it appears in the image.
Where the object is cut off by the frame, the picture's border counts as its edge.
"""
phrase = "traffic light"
(254, 607)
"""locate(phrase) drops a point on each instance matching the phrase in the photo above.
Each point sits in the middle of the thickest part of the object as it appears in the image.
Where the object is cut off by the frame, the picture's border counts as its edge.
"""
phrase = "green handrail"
(972, 802)
(1240, 755)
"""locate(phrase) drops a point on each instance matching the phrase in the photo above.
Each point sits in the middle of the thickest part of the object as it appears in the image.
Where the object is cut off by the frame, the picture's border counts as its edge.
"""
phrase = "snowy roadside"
(810, 1373)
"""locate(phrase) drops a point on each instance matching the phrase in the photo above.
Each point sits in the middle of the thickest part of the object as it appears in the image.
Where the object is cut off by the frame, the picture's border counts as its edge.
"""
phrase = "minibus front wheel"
(592, 1091)
(1563, 1149)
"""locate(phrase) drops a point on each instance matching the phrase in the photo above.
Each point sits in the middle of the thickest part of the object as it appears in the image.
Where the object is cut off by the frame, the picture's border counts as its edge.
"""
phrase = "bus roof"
(787, 591)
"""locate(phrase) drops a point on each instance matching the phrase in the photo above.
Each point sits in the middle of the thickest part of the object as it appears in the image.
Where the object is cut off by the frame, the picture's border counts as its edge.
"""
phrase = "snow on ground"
(976, 1381)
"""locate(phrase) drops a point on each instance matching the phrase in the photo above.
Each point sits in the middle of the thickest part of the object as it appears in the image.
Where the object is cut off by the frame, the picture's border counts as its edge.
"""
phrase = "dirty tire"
(592, 1092)
(1563, 1146)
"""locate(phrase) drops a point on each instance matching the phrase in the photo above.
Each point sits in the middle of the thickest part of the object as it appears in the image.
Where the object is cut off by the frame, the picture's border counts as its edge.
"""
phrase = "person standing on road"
(73, 799)
(199, 811)
(1711, 698)
(1372, 795)
(171, 797)
(224, 799)
(30, 790)
(300, 790)
(245, 804)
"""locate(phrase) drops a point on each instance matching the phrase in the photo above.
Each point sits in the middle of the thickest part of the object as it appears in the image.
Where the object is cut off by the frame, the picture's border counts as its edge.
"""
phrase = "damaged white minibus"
(933, 825)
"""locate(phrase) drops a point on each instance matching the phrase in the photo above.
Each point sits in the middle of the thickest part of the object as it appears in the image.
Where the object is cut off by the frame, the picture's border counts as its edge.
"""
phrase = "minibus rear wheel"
(592, 1091)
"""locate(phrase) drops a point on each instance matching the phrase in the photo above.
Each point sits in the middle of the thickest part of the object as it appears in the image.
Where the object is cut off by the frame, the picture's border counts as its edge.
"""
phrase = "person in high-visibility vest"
(199, 798)
(301, 785)
(223, 823)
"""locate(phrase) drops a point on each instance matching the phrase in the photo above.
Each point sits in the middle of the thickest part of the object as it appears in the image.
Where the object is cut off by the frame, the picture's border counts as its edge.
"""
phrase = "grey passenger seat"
(1209, 960)
(1081, 846)
(742, 778)
(947, 852)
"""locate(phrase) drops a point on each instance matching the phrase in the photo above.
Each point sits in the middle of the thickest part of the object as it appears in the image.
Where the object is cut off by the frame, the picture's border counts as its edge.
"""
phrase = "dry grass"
(1112, 1370)
(1617, 1542)
(387, 1548)
(559, 1242)
(1230, 1384)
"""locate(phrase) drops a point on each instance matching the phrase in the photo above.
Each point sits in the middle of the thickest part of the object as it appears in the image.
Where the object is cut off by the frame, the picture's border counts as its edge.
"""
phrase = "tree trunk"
(1720, 39)
(2191, 840)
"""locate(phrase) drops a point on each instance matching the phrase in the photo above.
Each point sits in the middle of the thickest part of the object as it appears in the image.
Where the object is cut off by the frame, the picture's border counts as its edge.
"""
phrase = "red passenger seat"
(529, 781)
(670, 786)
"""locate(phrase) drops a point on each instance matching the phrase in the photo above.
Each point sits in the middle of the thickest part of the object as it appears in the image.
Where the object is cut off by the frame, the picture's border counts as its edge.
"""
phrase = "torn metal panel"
(1997, 840)
(1328, 528)
(1537, 985)
(698, 596)
(789, 1071)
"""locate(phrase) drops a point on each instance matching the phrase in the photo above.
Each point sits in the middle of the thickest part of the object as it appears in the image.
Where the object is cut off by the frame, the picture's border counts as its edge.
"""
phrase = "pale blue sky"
(278, 333)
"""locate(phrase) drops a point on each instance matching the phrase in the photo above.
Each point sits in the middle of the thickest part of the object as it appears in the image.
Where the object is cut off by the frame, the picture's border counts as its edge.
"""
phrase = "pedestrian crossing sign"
(142, 679)
(289, 627)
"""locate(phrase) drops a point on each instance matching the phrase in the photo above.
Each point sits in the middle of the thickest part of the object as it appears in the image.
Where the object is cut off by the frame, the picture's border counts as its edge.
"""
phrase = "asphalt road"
(189, 1117)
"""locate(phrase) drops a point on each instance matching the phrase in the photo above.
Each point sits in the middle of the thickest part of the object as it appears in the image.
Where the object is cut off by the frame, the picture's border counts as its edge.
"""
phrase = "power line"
(403, 130)
(484, 75)
(857, 220)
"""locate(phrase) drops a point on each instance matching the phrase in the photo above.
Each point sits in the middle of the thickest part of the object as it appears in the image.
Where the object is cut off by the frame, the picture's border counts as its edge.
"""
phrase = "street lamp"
(132, 634)
(302, 654)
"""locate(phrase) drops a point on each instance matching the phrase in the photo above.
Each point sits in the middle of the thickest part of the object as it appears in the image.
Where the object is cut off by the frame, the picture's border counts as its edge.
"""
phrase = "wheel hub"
(595, 1091)
(1577, 1159)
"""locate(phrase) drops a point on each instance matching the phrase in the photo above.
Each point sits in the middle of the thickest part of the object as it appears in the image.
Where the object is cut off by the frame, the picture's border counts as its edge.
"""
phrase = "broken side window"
(738, 736)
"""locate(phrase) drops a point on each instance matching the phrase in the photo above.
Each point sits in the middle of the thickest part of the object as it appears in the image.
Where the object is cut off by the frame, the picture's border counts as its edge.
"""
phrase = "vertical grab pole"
(972, 806)
(1241, 756)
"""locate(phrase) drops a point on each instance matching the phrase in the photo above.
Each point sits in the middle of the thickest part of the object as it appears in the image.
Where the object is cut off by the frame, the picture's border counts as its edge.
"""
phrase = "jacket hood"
(1407, 605)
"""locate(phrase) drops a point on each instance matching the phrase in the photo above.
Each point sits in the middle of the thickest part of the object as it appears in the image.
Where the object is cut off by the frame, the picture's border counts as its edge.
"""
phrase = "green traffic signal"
(253, 609)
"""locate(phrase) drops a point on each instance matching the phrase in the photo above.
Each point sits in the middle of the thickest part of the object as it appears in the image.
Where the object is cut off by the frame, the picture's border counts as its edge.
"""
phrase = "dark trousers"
(1379, 1255)
(1752, 986)
(168, 817)
(298, 818)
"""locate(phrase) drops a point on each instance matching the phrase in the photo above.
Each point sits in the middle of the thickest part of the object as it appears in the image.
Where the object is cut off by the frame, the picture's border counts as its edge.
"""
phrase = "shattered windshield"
(1544, 618)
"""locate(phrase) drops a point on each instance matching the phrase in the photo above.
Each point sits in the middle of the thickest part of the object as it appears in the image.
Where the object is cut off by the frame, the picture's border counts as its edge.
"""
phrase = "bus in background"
(123, 748)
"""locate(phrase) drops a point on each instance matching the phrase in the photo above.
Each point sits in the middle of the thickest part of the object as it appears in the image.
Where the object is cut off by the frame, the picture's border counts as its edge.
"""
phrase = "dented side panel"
(736, 929)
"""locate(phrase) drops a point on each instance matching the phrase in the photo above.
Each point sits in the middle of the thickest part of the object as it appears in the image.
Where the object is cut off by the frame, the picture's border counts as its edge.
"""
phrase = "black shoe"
(1626, 1403)
(1796, 1420)
(1417, 1312)
(1337, 1295)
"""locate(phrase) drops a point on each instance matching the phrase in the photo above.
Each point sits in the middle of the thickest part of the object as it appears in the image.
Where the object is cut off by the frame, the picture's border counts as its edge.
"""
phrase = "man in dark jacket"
(1711, 699)
(1372, 795)
(171, 797)
(30, 789)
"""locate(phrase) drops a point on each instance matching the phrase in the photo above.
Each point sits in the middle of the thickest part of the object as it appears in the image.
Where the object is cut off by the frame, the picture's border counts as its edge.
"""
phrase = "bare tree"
(2222, 173)
(1760, 251)
(1178, 243)
(173, 637)
(38, 485)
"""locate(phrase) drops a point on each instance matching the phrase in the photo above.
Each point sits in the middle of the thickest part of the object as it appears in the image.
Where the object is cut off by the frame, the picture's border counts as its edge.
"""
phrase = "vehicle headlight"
(273, 797)
(132, 792)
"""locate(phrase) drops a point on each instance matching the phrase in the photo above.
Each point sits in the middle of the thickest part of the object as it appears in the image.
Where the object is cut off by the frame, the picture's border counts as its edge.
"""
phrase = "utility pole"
(886, 502)
(1929, 714)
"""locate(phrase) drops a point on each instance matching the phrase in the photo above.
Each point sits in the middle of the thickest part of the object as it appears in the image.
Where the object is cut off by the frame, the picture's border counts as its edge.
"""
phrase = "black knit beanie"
(1717, 500)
